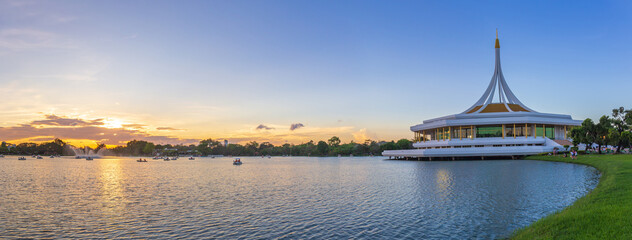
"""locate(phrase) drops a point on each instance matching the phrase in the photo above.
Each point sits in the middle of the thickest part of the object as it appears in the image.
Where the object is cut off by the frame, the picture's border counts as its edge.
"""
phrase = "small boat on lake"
(89, 159)
(39, 157)
(21, 158)
(191, 158)
(237, 161)
(141, 160)
(166, 159)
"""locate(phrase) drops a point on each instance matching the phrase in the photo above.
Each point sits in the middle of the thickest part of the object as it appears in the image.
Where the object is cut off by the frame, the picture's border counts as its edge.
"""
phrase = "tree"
(626, 139)
(136, 147)
(621, 120)
(601, 131)
(389, 146)
(404, 144)
(148, 148)
(584, 133)
(100, 146)
(252, 148)
(334, 141)
(3, 148)
(323, 148)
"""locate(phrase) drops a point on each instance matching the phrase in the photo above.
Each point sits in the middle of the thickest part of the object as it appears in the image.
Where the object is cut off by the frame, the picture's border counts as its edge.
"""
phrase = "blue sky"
(356, 69)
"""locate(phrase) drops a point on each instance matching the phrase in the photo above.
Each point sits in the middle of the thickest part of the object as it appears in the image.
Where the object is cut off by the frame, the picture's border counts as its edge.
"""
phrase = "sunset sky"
(293, 71)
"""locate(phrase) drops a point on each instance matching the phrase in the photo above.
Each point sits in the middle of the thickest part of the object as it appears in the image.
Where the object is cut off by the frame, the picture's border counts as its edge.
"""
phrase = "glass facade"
(489, 131)
(539, 131)
(455, 132)
(518, 129)
(550, 132)
(509, 130)
(486, 131)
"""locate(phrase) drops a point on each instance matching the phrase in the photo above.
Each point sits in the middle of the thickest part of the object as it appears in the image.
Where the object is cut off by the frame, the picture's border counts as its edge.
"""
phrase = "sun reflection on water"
(111, 181)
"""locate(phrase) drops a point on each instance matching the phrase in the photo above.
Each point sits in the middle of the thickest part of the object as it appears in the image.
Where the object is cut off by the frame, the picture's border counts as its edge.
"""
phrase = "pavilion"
(497, 125)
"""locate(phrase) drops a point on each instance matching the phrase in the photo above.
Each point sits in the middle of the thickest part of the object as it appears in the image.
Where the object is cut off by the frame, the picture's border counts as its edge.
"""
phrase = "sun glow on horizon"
(112, 123)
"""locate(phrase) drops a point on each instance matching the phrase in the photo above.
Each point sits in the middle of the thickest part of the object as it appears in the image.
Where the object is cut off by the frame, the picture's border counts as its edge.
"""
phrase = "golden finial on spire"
(497, 43)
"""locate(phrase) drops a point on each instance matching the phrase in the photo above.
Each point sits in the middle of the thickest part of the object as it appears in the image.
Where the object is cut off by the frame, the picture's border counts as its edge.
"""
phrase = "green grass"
(604, 213)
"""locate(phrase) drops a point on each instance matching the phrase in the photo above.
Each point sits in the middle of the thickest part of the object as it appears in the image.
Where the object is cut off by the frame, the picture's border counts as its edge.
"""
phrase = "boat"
(1, 156)
(237, 161)
(21, 158)
(191, 158)
(141, 160)
(39, 157)
(165, 159)
(77, 157)
(51, 156)
(89, 159)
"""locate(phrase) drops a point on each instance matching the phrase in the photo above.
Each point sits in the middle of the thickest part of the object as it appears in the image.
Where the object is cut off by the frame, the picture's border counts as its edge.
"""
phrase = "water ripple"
(286, 198)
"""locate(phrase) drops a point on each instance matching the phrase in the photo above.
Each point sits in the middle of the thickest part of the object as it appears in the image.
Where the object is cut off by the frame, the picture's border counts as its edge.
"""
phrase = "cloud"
(80, 129)
(54, 120)
(168, 129)
(284, 135)
(261, 126)
(363, 135)
(134, 126)
(22, 39)
(295, 126)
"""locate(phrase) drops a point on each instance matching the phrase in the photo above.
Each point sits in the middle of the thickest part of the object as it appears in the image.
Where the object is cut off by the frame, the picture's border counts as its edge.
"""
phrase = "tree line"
(614, 130)
(55, 147)
(206, 147)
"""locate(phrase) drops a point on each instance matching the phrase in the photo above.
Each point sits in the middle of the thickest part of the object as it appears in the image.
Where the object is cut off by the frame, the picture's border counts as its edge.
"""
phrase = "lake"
(282, 197)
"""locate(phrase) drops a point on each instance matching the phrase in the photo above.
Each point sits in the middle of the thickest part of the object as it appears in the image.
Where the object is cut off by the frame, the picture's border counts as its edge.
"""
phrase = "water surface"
(281, 197)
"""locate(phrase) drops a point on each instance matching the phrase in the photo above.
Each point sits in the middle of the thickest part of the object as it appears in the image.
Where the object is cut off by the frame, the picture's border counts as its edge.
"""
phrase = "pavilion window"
(439, 134)
(432, 135)
(539, 131)
(489, 131)
(550, 132)
(509, 130)
(455, 132)
(520, 130)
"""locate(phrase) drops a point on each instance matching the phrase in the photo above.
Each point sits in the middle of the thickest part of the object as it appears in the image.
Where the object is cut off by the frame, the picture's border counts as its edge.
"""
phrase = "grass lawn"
(605, 213)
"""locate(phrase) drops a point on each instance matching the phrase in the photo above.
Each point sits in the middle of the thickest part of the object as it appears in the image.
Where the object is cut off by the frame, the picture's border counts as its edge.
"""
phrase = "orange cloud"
(85, 130)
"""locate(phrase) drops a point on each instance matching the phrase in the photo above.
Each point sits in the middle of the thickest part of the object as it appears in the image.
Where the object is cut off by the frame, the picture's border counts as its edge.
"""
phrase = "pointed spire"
(507, 101)
(497, 43)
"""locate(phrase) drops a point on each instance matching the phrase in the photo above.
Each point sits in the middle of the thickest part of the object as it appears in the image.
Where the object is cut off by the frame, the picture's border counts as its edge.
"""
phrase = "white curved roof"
(506, 110)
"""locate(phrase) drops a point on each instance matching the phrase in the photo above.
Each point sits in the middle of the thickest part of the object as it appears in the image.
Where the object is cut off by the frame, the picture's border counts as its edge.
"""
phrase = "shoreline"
(603, 213)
